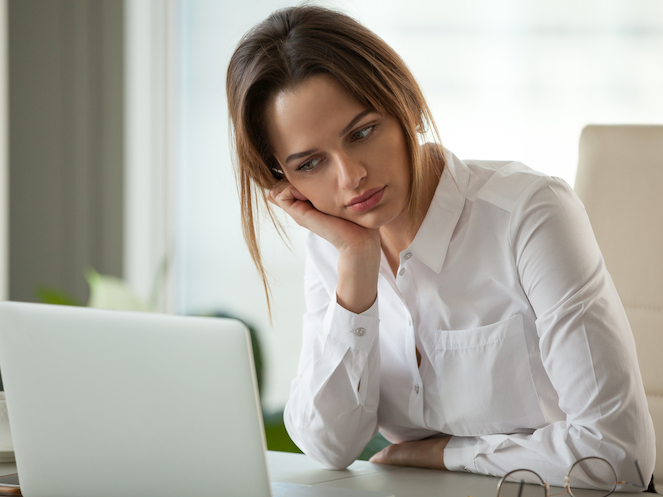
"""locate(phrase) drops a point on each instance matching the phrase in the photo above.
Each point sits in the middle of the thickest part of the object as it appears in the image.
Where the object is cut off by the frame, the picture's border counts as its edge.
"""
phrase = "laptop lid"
(119, 403)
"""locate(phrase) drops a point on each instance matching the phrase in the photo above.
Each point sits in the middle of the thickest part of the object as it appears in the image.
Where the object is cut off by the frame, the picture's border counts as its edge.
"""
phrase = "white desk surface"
(297, 468)
(403, 482)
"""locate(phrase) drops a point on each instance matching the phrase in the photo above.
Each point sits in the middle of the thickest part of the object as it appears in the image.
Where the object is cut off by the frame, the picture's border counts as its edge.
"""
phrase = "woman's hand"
(428, 453)
(343, 234)
(359, 248)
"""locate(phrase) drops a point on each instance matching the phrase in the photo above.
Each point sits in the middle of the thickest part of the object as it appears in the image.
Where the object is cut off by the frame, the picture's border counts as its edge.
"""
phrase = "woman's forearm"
(357, 285)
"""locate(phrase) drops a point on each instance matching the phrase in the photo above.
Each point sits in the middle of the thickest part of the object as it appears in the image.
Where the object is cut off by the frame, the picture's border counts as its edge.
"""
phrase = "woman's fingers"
(297, 195)
(284, 192)
(284, 186)
(276, 190)
(341, 233)
(299, 208)
(286, 196)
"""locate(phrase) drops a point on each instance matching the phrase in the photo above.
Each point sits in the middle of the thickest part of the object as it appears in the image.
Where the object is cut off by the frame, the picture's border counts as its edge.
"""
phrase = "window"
(505, 80)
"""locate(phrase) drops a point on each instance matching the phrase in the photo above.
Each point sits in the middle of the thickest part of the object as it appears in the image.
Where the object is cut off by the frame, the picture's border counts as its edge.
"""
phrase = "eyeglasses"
(588, 472)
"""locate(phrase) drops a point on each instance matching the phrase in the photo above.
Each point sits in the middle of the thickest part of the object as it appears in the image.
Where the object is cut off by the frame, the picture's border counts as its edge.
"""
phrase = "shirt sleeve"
(586, 346)
(331, 413)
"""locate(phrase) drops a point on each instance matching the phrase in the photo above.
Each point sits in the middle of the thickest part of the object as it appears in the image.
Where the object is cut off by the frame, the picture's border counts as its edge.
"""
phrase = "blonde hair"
(285, 49)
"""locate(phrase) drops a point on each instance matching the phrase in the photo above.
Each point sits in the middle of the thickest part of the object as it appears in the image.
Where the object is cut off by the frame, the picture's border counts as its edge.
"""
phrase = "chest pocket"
(484, 383)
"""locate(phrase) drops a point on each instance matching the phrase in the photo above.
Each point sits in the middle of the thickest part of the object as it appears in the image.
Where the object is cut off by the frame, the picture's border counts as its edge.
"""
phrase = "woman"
(460, 308)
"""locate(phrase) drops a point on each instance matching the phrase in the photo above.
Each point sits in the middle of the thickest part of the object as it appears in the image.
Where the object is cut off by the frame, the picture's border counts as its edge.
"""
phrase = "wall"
(4, 193)
(65, 143)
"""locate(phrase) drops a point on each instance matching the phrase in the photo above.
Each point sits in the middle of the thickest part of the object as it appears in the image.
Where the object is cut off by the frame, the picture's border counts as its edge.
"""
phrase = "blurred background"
(114, 137)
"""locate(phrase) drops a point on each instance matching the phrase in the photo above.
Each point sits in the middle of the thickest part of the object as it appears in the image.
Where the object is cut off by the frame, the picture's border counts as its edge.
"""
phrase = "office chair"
(620, 181)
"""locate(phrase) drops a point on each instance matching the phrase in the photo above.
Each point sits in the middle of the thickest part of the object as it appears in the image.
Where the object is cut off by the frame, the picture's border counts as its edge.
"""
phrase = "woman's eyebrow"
(298, 155)
(354, 121)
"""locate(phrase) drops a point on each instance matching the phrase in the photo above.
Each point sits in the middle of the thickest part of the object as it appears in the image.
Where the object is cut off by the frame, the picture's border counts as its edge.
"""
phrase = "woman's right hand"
(358, 247)
(345, 235)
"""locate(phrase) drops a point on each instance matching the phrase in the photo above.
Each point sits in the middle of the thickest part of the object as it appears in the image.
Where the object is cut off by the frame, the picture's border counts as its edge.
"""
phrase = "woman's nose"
(350, 172)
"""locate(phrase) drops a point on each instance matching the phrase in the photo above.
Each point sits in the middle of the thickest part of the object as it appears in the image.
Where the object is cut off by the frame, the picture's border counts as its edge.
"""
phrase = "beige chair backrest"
(620, 181)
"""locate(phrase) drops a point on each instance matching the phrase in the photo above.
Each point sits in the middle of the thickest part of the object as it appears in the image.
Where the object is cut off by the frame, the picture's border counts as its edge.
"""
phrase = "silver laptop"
(118, 403)
(109, 403)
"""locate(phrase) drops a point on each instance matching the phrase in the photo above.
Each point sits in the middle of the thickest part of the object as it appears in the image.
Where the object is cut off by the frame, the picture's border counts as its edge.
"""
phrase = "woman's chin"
(368, 222)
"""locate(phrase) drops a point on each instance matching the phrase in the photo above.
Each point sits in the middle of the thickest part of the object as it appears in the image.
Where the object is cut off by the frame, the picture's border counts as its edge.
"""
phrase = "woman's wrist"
(357, 286)
(428, 453)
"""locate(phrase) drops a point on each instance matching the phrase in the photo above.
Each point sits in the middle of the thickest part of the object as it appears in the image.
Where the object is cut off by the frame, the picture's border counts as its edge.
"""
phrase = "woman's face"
(348, 161)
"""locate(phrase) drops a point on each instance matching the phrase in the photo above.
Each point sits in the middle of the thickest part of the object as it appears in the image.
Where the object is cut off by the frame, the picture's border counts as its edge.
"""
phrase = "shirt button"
(359, 332)
(416, 389)
(409, 322)
(407, 256)
(402, 271)
(466, 469)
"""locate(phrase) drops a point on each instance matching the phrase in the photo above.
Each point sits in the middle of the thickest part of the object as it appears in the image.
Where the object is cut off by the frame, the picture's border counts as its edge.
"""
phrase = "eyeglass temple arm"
(642, 480)
(520, 488)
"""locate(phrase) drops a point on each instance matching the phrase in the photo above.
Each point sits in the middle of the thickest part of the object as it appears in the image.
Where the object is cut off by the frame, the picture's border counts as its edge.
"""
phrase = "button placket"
(406, 257)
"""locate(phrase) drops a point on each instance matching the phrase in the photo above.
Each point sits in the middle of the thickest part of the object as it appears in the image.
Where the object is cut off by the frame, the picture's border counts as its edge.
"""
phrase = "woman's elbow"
(645, 455)
(320, 444)
(336, 462)
(329, 456)
(643, 450)
(637, 460)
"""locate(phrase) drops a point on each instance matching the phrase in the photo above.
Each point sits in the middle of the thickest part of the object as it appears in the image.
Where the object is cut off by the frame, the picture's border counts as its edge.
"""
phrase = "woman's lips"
(367, 200)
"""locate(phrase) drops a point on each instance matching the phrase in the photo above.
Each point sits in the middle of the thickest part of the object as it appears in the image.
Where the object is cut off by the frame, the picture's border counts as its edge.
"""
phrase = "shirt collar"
(432, 240)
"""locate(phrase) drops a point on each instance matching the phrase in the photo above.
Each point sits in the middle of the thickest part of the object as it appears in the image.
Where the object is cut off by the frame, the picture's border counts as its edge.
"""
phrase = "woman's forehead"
(316, 92)
(314, 109)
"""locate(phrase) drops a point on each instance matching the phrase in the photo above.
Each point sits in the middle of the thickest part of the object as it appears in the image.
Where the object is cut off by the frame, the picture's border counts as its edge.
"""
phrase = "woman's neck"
(399, 234)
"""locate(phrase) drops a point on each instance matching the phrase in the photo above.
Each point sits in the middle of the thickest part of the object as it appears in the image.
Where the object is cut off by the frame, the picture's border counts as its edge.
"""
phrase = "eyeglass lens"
(522, 483)
(593, 472)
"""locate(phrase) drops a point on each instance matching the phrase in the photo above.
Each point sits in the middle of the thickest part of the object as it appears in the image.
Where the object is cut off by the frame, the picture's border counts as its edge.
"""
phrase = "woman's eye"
(309, 165)
(361, 134)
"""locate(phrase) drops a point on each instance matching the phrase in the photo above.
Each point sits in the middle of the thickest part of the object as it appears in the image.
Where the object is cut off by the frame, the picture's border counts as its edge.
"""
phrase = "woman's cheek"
(326, 207)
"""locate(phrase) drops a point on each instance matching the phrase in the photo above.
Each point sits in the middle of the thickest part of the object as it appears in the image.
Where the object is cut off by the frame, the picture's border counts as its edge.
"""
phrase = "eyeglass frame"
(567, 480)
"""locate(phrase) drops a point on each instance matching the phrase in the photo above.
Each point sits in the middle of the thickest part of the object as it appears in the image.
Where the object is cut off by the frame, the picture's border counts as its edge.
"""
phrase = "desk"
(404, 482)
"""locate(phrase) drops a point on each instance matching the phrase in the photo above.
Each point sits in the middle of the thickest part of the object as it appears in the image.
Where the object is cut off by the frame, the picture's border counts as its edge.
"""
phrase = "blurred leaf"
(375, 445)
(110, 292)
(48, 295)
(279, 440)
(276, 434)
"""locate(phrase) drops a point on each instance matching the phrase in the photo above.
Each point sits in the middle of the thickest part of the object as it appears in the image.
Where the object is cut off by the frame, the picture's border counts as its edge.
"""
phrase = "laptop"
(110, 403)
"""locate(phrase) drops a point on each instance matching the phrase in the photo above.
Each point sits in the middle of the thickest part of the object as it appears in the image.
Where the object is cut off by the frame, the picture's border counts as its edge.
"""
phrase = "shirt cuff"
(459, 454)
(357, 331)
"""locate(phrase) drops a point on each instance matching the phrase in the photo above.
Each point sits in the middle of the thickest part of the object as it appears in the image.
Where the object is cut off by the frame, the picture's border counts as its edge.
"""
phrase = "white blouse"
(527, 357)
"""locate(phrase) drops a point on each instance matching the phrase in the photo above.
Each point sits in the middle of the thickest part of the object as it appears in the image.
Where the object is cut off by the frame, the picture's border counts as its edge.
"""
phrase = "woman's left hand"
(428, 453)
